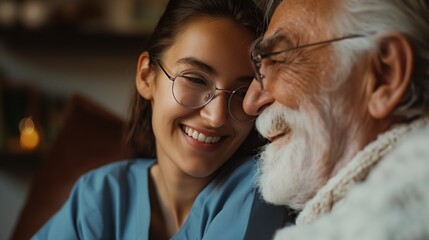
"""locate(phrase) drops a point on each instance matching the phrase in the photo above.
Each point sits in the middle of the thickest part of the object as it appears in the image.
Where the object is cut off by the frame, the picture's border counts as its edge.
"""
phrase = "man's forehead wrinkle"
(291, 19)
(304, 18)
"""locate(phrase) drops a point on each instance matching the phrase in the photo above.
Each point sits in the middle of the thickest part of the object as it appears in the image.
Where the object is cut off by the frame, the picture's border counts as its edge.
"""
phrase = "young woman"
(188, 118)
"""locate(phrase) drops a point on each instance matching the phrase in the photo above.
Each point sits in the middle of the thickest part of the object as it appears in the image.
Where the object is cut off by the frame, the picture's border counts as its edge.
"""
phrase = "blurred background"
(50, 52)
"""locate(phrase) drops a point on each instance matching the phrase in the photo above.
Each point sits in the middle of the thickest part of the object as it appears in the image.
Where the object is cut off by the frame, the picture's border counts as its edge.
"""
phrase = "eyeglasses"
(257, 54)
(194, 89)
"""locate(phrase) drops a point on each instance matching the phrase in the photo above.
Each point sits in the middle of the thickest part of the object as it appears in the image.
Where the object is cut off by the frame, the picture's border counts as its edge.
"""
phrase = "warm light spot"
(29, 138)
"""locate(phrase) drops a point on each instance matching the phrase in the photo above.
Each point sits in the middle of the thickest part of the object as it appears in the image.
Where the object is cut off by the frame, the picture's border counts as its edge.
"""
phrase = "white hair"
(289, 172)
(410, 17)
(292, 169)
(269, 7)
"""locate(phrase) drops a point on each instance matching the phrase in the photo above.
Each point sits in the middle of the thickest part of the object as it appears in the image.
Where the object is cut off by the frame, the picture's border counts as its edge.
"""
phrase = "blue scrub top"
(112, 202)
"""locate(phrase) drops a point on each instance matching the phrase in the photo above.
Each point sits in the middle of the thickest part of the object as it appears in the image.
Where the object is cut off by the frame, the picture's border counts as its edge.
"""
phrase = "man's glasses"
(257, 54)
(195, 89)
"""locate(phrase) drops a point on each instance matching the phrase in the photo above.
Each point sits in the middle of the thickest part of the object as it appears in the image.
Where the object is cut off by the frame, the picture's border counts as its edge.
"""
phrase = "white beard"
(293, 168)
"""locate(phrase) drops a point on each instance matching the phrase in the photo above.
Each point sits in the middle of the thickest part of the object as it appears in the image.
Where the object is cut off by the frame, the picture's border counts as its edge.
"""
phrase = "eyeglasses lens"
(195, 92)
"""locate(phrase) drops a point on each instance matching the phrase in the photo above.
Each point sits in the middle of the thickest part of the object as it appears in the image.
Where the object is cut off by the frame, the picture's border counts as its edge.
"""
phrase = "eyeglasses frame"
(231, 93)
(257, 59)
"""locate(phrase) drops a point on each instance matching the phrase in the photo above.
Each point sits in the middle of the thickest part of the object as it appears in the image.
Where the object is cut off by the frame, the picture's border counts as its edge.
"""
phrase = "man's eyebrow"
(277, 37)
(198, 64)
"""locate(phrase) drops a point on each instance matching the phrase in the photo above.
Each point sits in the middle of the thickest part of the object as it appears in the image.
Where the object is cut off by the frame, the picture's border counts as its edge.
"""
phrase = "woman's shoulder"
(119, 168)
(241, 172)
(111, 187)
(234, 182)
(225, 202)
(232, 186)
(91, 211)
(115, 173)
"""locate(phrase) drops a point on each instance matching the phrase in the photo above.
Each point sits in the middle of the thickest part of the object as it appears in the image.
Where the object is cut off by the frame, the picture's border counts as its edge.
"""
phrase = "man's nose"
(215, 113)
(256, 99)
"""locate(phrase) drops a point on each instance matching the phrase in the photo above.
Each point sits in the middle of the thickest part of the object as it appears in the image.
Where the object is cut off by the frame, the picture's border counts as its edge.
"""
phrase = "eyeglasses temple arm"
(162, 68)
(262, 55)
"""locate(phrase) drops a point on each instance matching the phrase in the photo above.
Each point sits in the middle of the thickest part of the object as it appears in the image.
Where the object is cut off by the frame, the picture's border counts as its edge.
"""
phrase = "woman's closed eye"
(195, 79)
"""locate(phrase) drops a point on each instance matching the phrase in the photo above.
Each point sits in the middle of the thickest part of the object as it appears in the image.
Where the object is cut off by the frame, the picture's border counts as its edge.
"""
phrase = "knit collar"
(355, 171)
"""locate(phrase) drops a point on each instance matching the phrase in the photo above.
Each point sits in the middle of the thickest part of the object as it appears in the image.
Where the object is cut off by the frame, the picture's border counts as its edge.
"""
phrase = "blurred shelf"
(70, 38)
(21, 160)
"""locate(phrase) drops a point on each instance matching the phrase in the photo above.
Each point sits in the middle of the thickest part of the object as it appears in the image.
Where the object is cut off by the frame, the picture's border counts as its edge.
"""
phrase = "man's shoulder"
(409, 156)
(394, 198)
(415, 144)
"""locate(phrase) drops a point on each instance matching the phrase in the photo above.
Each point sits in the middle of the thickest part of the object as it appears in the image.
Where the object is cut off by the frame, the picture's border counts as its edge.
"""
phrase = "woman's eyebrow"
(198, 64)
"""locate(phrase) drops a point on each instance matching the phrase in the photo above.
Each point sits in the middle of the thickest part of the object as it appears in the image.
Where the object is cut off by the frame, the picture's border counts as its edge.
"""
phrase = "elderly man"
(342, 94)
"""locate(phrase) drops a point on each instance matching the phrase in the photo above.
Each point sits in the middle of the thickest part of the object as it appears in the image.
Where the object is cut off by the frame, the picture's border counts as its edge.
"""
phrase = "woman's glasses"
(195, 89)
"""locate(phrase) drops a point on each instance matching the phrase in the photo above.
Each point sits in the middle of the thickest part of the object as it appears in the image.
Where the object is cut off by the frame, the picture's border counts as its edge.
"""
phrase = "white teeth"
(199, 136)
(208, 140)
(195, 135)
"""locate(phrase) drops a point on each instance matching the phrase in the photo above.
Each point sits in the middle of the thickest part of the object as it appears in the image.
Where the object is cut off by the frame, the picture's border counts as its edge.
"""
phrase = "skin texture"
(185, 165)
(342, 120)
(309, 70)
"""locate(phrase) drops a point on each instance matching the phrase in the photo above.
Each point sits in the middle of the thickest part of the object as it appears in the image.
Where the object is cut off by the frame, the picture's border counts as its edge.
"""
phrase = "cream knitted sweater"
(383, 193)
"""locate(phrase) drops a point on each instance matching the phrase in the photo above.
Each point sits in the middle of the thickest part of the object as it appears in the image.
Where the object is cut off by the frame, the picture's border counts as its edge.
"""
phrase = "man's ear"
(392, 70)
(145, 77)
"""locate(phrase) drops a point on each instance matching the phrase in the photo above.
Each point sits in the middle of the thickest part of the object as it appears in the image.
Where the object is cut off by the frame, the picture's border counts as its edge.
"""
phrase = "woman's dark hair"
(139, 133)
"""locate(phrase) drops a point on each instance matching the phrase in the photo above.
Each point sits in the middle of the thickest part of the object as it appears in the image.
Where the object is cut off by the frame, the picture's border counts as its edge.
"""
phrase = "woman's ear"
(145, 77)
(392, 69)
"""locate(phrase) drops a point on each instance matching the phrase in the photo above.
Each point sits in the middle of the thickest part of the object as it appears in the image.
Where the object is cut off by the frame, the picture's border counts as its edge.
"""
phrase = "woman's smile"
(200, 136)
(202, 141)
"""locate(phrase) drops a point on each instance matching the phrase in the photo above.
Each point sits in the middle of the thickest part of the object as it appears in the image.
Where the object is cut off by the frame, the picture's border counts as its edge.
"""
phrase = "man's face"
(303, 116)
(293, 75)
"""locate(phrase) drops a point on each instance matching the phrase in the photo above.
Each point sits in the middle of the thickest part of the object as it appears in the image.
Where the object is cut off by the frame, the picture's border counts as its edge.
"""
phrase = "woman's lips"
(200, 136)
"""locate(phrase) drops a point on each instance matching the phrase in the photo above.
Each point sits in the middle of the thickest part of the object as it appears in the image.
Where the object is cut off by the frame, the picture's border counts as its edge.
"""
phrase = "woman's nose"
(215, 113)
(256, 99)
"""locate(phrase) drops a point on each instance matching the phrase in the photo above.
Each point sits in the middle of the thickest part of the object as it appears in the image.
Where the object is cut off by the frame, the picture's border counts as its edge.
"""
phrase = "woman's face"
(219, 48)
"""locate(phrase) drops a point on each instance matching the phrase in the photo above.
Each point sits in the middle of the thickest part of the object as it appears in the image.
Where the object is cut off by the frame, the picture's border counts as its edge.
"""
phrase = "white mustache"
(276, 119)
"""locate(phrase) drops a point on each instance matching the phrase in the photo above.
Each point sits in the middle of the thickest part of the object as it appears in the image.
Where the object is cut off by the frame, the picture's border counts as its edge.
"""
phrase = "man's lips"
(272, 139)
(280, 135)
